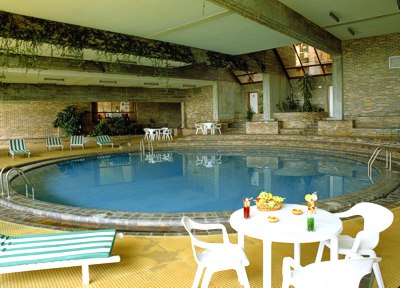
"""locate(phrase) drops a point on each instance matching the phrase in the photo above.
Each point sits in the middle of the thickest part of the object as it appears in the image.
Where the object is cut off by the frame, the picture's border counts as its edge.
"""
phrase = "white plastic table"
(289, 229)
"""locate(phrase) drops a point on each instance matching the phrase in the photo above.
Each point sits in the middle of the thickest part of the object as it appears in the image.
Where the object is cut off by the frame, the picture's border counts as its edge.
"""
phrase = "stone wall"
(199, 106)
(336, 127)
(371, 89)
(267, 127)
(299, 120)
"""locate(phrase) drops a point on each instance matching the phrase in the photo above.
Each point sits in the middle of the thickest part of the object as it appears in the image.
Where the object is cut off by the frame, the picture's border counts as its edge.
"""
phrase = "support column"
(337, 82)
(183, 115)
(267, 107)
(215, 107)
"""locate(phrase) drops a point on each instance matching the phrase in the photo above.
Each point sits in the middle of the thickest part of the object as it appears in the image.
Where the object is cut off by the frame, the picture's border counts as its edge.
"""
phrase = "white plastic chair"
(166, 133)
(345, 273)
(215, 256)
(199, 128)
(376, 219)
(218, 127)
(146, 133)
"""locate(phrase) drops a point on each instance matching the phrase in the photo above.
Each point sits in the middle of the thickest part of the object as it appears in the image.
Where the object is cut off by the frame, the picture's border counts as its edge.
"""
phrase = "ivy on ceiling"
(24, 36)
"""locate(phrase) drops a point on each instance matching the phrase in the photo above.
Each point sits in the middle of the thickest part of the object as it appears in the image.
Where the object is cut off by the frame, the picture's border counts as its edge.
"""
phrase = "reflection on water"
(208, 161)
(193, 181)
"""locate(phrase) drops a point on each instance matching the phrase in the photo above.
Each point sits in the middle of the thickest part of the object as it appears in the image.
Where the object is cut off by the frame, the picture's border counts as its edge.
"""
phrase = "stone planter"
(299, 120)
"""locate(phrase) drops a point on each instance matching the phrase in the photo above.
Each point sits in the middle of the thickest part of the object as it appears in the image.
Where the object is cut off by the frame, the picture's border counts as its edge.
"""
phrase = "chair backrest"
(376, 219)
(76, 139)
(104, 139)
(53, 141)
(191, 225)
(17, 144)
(345, 273)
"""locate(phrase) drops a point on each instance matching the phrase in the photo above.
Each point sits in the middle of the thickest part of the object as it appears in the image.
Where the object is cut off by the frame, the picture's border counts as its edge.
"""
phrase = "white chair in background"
(199, 128)
(166, 133)
(146, 133)
(215, 256)
(218, 127)
(376, 219)
(345, 273)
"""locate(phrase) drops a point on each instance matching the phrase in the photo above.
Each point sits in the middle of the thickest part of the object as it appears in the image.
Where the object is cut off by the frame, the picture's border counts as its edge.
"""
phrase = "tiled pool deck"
(19, 209)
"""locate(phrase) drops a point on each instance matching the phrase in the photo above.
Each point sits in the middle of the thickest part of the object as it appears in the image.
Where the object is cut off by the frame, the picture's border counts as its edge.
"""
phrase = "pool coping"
(169, 223)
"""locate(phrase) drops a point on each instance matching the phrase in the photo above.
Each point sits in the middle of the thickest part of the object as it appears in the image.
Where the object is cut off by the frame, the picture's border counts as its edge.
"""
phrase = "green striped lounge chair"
(58, 250)
(76, 141)
(104, 140)
(17, 146)
(54, 142)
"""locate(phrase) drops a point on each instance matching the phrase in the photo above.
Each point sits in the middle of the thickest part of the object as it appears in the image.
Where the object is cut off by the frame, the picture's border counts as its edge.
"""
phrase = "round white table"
(289, 229)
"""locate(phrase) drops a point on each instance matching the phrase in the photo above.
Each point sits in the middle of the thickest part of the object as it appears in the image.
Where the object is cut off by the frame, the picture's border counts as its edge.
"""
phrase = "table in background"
(289, 229)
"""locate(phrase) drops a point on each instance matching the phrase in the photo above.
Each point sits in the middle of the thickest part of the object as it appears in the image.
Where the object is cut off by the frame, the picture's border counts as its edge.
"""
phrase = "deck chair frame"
(54, 142)
(104, 140)
(77, 141)
(81, 248)
(17, 146)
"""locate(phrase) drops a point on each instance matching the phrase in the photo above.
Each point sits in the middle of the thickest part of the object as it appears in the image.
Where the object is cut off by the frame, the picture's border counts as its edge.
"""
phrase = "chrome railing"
(5, 182)
(375, 155)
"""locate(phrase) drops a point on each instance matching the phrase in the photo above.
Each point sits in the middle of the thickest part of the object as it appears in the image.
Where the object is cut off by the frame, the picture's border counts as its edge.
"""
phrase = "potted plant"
(306, 86)
(69, 120)
(249, 114)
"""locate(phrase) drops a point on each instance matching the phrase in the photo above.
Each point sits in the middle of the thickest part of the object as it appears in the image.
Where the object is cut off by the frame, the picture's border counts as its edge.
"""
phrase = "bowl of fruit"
(268, 202)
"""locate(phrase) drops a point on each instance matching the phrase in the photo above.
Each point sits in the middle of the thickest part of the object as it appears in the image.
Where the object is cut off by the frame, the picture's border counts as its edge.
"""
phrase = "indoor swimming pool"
(194, 180)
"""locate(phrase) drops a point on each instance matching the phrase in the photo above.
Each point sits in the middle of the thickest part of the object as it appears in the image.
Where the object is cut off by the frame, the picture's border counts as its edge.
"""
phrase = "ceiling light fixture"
(351, 31)
(108, 81)
(151, 84)
(54, 79)
(334, 17)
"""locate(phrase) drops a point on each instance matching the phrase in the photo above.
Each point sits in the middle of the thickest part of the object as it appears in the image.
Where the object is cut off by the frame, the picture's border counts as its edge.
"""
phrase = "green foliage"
(306, 86)
(249, 114)
(69, 120)
(112, 126)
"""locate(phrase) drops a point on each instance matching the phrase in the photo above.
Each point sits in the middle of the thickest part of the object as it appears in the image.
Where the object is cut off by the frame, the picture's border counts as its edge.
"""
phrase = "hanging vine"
(26, 36)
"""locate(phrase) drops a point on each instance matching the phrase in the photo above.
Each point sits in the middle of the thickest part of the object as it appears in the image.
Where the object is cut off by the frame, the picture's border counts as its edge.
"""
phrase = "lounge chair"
(104, 140)
(54, 142)
(17, 146)
(58, 250)
(76, 141)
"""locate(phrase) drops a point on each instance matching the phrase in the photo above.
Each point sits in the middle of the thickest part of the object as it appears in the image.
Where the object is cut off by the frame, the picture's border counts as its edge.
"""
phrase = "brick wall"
(33, 119)
(371, 89)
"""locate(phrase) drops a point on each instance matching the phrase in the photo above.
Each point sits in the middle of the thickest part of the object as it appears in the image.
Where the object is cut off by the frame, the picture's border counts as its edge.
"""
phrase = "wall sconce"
(108, 81)
(334, 17)
(53, 79)
(351, 31)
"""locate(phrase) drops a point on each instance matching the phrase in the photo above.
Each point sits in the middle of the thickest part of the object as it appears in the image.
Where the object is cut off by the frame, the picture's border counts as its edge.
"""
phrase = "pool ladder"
(5, 182)
(375, 155)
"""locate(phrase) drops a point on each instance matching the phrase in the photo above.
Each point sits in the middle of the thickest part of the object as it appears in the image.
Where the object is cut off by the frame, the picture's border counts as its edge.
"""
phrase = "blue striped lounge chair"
(104, 140)
(58, 250)
(54, 142)
(17, 146)
(76, 141)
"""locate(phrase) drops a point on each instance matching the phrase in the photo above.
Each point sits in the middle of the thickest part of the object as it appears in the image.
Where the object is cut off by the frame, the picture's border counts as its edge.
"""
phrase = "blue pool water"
(193, 181)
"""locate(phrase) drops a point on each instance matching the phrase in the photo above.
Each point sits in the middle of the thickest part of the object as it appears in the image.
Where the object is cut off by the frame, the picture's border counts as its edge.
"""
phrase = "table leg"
(267, 263)
(334, 248)
(297, 253)
(241, 240)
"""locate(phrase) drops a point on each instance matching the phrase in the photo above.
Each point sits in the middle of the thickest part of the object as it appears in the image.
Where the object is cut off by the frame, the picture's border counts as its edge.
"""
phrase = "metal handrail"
(21, 174)
(375, 155)
(1, 178)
